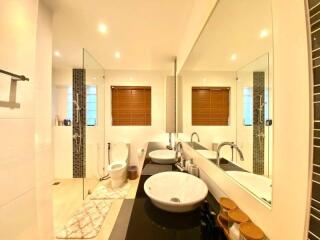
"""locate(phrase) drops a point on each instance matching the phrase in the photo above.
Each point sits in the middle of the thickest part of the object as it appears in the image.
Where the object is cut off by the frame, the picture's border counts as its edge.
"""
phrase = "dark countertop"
(148, 222)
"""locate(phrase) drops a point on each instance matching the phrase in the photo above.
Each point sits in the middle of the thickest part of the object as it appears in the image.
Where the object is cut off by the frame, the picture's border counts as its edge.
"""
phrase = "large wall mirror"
(225, 94)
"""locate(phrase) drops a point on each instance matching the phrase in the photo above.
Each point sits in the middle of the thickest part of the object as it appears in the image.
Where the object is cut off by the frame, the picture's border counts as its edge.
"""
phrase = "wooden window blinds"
(131, 106)
(210, 106)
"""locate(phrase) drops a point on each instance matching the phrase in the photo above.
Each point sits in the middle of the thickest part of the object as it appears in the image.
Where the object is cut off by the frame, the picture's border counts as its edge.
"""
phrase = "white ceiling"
(233, 28)
(146, 32)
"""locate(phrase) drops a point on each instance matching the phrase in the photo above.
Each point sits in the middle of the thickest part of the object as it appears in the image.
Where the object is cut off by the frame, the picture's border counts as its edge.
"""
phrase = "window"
(91, 105)
(131, 106)
(248, 105)
(210, 106)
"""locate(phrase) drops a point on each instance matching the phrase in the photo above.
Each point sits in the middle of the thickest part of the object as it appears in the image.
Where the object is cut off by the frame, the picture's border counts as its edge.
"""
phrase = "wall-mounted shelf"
(13, 89)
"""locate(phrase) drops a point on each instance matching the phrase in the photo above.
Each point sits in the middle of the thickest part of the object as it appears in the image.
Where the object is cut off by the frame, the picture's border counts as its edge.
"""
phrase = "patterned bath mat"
(106, 192)
(86, 222)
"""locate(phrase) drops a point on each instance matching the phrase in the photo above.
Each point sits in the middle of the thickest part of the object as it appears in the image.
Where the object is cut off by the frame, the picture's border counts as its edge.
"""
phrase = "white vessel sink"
(175, 191)
(208, 154)
(259, 185)
(163, 156)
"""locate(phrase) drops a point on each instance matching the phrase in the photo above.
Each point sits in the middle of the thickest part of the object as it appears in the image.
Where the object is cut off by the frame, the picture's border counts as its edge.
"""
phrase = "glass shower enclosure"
(94, 157)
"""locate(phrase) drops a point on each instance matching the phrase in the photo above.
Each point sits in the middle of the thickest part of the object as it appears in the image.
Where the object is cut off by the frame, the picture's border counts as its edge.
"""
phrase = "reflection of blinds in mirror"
(210, 106)
(131, 106)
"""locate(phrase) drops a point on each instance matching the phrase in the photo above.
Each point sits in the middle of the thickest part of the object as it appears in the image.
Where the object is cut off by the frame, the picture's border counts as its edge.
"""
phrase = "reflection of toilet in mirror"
(118, 162)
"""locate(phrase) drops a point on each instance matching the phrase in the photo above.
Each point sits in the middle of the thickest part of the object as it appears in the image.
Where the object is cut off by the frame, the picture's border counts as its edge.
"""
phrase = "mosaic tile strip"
(79, 123)
(258, 122)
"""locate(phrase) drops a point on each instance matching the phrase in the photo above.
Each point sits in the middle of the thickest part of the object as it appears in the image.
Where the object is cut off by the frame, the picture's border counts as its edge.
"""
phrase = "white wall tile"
(18, 220)
(17, 165)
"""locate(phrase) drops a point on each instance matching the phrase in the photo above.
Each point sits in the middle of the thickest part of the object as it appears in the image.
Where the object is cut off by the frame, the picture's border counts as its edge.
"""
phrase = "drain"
(56, 183)
(174, 199)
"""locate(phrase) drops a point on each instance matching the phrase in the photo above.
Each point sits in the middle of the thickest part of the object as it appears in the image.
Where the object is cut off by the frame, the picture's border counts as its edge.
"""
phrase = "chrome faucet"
(233, 146)
(180, 164)
(194, 134)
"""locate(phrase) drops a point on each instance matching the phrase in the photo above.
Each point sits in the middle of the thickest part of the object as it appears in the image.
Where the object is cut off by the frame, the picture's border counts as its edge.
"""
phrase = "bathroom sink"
(163, 156)
(208, 154)
(259, 185)
(175, 191)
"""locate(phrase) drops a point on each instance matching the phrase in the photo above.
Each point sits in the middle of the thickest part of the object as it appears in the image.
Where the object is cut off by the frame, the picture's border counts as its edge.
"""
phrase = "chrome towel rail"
(11, 103)
(15, 77)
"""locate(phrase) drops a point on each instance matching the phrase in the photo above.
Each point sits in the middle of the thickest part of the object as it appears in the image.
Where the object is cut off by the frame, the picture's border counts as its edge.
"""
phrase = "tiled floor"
(67, 197)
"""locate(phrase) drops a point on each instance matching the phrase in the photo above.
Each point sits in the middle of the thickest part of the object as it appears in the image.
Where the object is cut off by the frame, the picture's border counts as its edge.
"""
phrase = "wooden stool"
(226, 205)
(235, 218)
(250, 231)
(238, 216)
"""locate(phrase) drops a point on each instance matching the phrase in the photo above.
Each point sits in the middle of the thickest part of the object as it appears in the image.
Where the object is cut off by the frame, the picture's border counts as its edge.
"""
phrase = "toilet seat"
(117, 165)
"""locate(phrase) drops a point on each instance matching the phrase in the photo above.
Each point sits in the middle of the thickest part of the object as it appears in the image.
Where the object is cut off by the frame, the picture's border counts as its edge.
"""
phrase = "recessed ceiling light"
(264, 33)
(234, 57)
(102, 28)
(117, 55)
(57, 54)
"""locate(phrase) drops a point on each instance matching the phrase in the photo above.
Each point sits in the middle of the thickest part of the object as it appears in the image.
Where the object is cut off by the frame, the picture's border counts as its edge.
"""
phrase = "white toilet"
(119, 155)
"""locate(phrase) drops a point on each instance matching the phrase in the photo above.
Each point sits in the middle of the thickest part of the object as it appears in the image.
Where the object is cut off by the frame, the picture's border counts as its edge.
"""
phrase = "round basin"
(163, 156)
(175, 191)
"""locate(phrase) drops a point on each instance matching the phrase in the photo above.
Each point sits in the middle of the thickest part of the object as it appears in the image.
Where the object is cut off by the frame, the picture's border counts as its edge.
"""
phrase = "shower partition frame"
(94, 160)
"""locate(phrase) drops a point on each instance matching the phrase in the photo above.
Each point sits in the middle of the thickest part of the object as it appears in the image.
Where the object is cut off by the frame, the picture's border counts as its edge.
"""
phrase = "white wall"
(201, 10)
(43, 123)
(209, 134)
(25, 206)
(95, 141)
(244, 133)
(287, 217)
(138, 136)
(62, 135)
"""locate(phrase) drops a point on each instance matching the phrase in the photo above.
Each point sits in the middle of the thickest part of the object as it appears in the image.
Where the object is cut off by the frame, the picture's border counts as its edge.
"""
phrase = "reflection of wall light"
(57, 54)
(234, 57)
(264, 33)
(204, 80)
(102, 28)
(117, 55)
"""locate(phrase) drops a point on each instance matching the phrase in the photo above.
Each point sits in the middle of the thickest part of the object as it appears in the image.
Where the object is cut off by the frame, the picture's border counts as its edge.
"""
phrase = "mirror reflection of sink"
(208, 154)
(163, 156)
(212, 155)
(261, 186)
(195, 145)
(175, 191)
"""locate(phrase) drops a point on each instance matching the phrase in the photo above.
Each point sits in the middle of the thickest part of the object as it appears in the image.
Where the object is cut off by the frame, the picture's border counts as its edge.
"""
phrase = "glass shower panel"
(254, 115)
(94, 161)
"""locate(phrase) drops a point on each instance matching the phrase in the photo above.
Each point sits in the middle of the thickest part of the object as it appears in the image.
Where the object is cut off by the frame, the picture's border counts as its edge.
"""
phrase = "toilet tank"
(119, 151)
